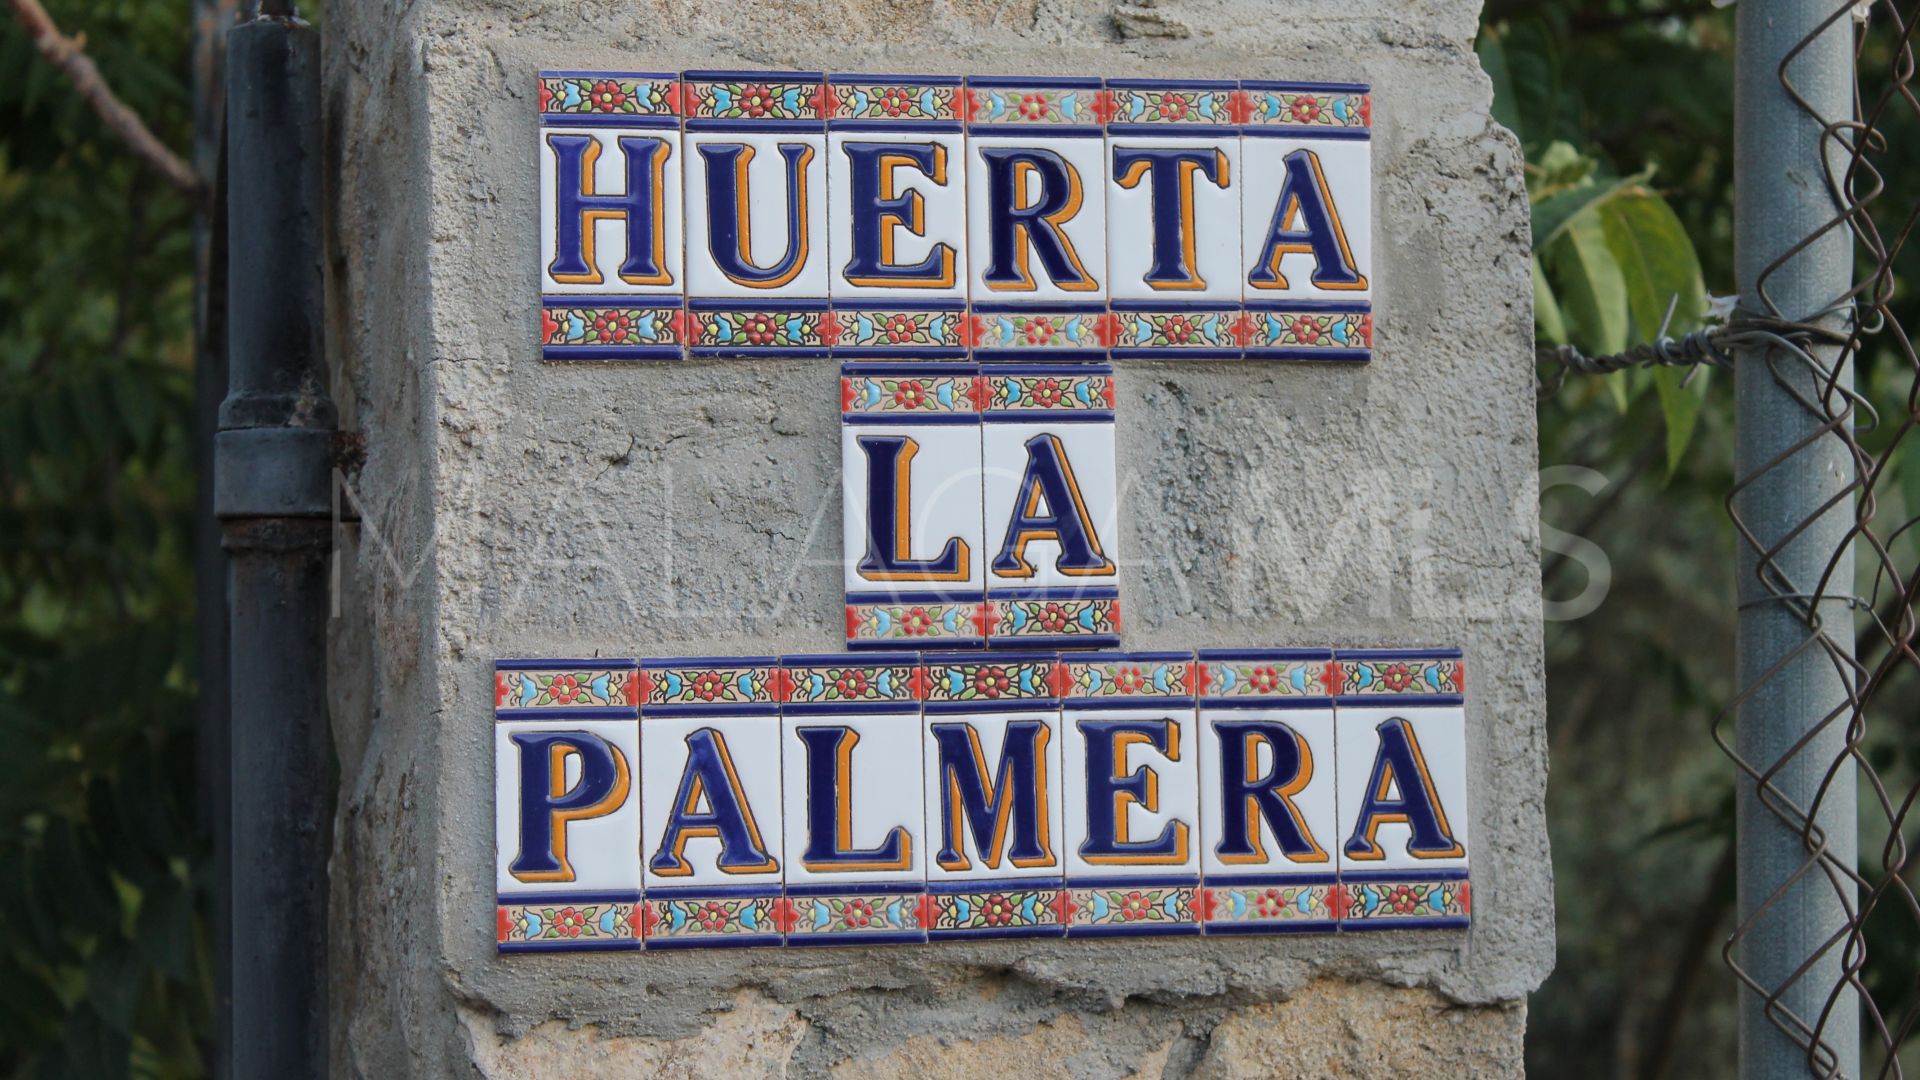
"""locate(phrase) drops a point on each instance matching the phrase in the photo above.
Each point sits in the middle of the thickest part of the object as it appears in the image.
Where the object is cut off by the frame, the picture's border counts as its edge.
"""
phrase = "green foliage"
(104, 969)
(1613, 265)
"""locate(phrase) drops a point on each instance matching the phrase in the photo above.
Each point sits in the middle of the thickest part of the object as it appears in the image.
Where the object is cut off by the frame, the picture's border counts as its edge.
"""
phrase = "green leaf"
(1680, 405)
(1657, 262)
(1552, 215)
(1548, 324)
(1587, 280)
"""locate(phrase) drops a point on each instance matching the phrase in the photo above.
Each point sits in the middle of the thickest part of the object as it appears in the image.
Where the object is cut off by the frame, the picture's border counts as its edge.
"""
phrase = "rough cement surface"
(515, 508)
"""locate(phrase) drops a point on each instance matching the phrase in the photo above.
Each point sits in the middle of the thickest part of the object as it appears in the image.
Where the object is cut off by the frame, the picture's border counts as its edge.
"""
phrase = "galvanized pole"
(273, 477)
(1790, 912)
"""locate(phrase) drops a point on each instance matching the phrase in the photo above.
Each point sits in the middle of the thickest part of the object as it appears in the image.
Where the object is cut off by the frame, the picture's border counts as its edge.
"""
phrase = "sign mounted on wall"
(740, 214)
(979, 254)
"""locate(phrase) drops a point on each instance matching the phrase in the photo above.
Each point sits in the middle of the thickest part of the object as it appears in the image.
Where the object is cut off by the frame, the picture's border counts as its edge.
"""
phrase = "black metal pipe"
(272, 493)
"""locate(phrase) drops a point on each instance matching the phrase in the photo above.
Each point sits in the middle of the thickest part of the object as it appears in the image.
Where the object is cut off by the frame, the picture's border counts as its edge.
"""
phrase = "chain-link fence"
(1826, 948)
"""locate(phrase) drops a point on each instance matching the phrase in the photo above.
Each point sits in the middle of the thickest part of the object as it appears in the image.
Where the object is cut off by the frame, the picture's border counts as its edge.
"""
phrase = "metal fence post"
(273, 495)
(1793, 646)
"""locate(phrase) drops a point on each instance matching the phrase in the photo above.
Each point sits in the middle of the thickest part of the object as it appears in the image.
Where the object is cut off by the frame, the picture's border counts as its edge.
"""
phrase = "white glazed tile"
(928, 230)
(1197, 247)
(751, 747)
(880, 794)
(1078, 194)
(942, 506)
(769, 236)
(1020, 457)
(594, 843)
(1344, 165)
(1171, 776)
(613, 228)
(972, 862)
(1438, 734)
(1309, 771)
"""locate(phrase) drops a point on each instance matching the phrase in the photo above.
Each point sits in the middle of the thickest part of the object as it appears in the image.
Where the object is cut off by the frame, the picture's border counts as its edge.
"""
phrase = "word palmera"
(750, 822)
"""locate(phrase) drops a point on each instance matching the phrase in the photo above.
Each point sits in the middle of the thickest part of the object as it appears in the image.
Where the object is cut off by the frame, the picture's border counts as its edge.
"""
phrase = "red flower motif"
(1402, 900)
(1204, 905)
(757, 100)
(565, 690)
(1270, 904)
(1305, 330)
(900, 328)
(992, 681)
(607, 96)
(1035, 106)
(997, 911)
(910, 394)
(1244, 328)
(546, 98)
(760, 329)
(1264, 680)
(1135, 905)
(1172, 107)
(1129, 680)
(926, 910)
(502, 924)
(712, 918)
(1339, 902)
(708, 685)
(1053, 618)
(1366, 110)
(1239, 107)
(784, 916)
(568, 922)
(1104, 108)
(1458, 676)
(1466, 897)
(1178, 330)
(896, 101)
(1046, 393)
(857, 915)
(632, 690)
(916, 622)
(1039, 331)
(549, 327)
(1332, 678)
(1396, 676)
(1364, 329)
(612, 326)
(1306, 108)
(852, 683)
(499, 689)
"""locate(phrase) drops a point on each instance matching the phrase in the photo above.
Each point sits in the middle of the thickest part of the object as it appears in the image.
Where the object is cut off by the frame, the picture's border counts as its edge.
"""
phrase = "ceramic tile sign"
(901, 798)
(979, 506)
(918, 217)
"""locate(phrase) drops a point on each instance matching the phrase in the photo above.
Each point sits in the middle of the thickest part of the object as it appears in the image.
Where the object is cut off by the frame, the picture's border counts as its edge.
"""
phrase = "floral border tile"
(547, 689)
(1125, 677)
(1064, 617)
(1308, 105)
(755, 95)
(571, 329)
(1278, 905)
(571, 94)
(1040, 330)
(1229, 674)
(1179, 104)
(996, 909)
(1391, 674)
(714, 918)
(1282, 331)
(895, 98)
(1154, 331)
(880, 329)
(915, 391)
(1048, 391)
(561, 924)
(1122, 907)
(988, 678)
(851, 680)
(710, 682)
(889, 622)
(1405, 900)
(1036, 102)
(847, 916)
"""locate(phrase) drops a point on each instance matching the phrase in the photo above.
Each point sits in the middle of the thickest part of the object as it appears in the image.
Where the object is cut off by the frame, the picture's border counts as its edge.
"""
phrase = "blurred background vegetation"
(1624, 109)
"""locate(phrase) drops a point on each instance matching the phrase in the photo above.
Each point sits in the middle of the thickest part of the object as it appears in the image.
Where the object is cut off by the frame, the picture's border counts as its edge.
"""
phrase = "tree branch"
(68, 55)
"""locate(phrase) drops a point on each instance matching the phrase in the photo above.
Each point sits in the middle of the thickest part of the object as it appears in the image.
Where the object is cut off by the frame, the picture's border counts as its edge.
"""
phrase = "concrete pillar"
(515, 508)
